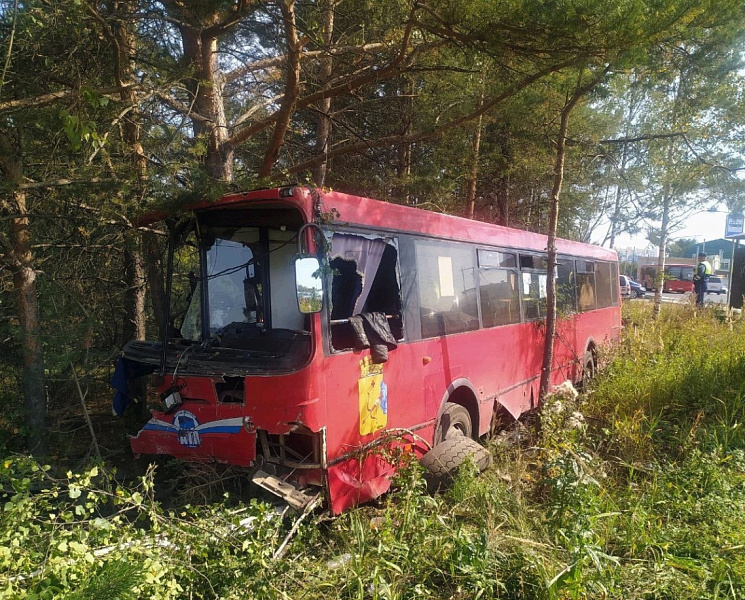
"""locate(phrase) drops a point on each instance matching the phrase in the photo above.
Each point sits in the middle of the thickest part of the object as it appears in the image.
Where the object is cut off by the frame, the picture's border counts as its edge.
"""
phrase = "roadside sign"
(735, 226)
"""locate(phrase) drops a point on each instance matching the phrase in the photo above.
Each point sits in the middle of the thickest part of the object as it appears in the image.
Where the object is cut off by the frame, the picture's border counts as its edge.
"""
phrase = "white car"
(625, 286)
(716, 285)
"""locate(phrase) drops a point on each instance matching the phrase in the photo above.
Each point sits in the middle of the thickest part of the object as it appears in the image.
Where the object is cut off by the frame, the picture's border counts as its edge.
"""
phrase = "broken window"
(186, 318)
(364, 281)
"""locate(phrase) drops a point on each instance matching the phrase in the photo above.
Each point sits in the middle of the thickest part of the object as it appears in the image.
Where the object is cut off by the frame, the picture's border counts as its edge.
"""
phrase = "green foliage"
(83, 536)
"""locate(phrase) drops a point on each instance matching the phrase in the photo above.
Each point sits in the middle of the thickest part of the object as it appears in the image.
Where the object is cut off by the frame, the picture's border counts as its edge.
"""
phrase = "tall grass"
(635, 491)
(644, 498)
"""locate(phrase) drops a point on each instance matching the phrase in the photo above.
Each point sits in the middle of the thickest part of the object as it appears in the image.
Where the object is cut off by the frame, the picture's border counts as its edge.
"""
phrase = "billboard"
(735, 226)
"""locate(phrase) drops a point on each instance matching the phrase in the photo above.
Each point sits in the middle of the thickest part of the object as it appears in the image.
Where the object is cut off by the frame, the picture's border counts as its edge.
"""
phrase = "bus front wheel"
(454, 421)
(443, 461)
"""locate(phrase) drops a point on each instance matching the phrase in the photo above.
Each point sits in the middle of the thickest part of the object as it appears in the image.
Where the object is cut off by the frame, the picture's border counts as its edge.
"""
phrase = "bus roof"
(376, 214)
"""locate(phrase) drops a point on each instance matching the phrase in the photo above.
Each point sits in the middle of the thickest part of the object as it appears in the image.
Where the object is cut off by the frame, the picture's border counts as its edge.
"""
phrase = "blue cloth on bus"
(124, 371)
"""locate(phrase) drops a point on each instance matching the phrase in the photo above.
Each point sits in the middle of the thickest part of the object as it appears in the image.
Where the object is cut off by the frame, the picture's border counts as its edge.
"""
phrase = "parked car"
(637, 289)
(625, 287)
(716, 286)
(630, 288)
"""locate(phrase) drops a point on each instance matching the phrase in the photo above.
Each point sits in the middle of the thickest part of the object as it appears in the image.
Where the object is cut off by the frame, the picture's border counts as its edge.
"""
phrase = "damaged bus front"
(234, 372)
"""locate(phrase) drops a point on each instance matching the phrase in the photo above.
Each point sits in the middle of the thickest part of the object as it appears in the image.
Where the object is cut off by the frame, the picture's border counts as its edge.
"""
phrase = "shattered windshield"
(250, 291)
(232, 285)
(232, 290)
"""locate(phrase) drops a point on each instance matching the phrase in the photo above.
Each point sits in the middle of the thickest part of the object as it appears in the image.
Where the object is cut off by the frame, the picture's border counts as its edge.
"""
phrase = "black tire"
(589, 368)
(633, 294)
(444, 460)
(455, 421)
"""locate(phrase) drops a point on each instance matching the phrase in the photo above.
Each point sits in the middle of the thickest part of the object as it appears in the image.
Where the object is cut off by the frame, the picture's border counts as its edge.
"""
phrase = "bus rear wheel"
(455, 421)
(588, 368)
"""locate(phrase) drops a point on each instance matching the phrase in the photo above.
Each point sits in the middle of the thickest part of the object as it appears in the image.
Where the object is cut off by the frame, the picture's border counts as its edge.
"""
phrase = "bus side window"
(364, 281)
(614, 279)
(447, 288)
(586, 285)
(500, 297)
(498, 289)
(565, 288)
(603, 284)
(534, 280)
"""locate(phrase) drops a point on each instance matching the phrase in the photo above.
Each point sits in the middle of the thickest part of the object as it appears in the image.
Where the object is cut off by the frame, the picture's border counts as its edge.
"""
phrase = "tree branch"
(187, 111)
(394, 68)
(276, 61)
(421, 136)
(35, 185)
(237, 13)
(644, 138)
(44, 99)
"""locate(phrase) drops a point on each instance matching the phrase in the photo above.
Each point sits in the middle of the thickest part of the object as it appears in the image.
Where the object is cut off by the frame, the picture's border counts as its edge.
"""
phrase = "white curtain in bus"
(366, 253)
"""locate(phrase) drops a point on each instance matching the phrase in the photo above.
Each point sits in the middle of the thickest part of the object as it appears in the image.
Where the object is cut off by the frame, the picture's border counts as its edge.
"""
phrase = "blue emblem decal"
(187, 424)
(188, 430)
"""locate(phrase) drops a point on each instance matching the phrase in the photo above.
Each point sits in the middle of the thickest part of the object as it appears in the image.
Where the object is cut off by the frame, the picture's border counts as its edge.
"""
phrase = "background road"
(685, 298)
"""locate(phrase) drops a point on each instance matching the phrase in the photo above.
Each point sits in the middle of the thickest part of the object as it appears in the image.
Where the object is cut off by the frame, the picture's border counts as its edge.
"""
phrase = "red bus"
(678, 277)
(310, 330)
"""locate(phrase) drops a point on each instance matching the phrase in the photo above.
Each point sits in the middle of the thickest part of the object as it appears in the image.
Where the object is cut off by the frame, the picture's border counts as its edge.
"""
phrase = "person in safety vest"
(701, 278)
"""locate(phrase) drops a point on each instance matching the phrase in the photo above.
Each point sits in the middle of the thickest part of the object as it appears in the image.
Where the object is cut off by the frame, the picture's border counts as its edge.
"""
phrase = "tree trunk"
(553, 220)
(323, 133)
(134, 268)
(622, 172)
(474, 173)
(17, 251)
(617, 204)
(548, 348)
(502, 205)
(134, 296)
(659, 280)
(206, 85)
(292, 89)
(667, 197)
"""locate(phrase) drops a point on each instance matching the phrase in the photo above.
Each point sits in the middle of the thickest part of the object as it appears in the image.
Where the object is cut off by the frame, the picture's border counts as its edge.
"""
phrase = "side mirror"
(308, 284)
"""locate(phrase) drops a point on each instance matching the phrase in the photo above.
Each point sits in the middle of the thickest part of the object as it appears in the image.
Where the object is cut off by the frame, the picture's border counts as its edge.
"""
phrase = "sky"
(702, 226)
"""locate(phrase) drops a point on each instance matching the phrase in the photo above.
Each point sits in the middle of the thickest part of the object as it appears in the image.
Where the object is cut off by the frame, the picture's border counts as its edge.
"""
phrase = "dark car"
(637, 290)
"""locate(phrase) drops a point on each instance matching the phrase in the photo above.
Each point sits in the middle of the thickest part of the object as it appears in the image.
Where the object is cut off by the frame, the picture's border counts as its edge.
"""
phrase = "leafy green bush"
(83, 536)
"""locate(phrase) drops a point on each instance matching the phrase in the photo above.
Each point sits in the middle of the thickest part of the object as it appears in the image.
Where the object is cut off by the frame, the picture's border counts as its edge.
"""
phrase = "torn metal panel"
(297, 498)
